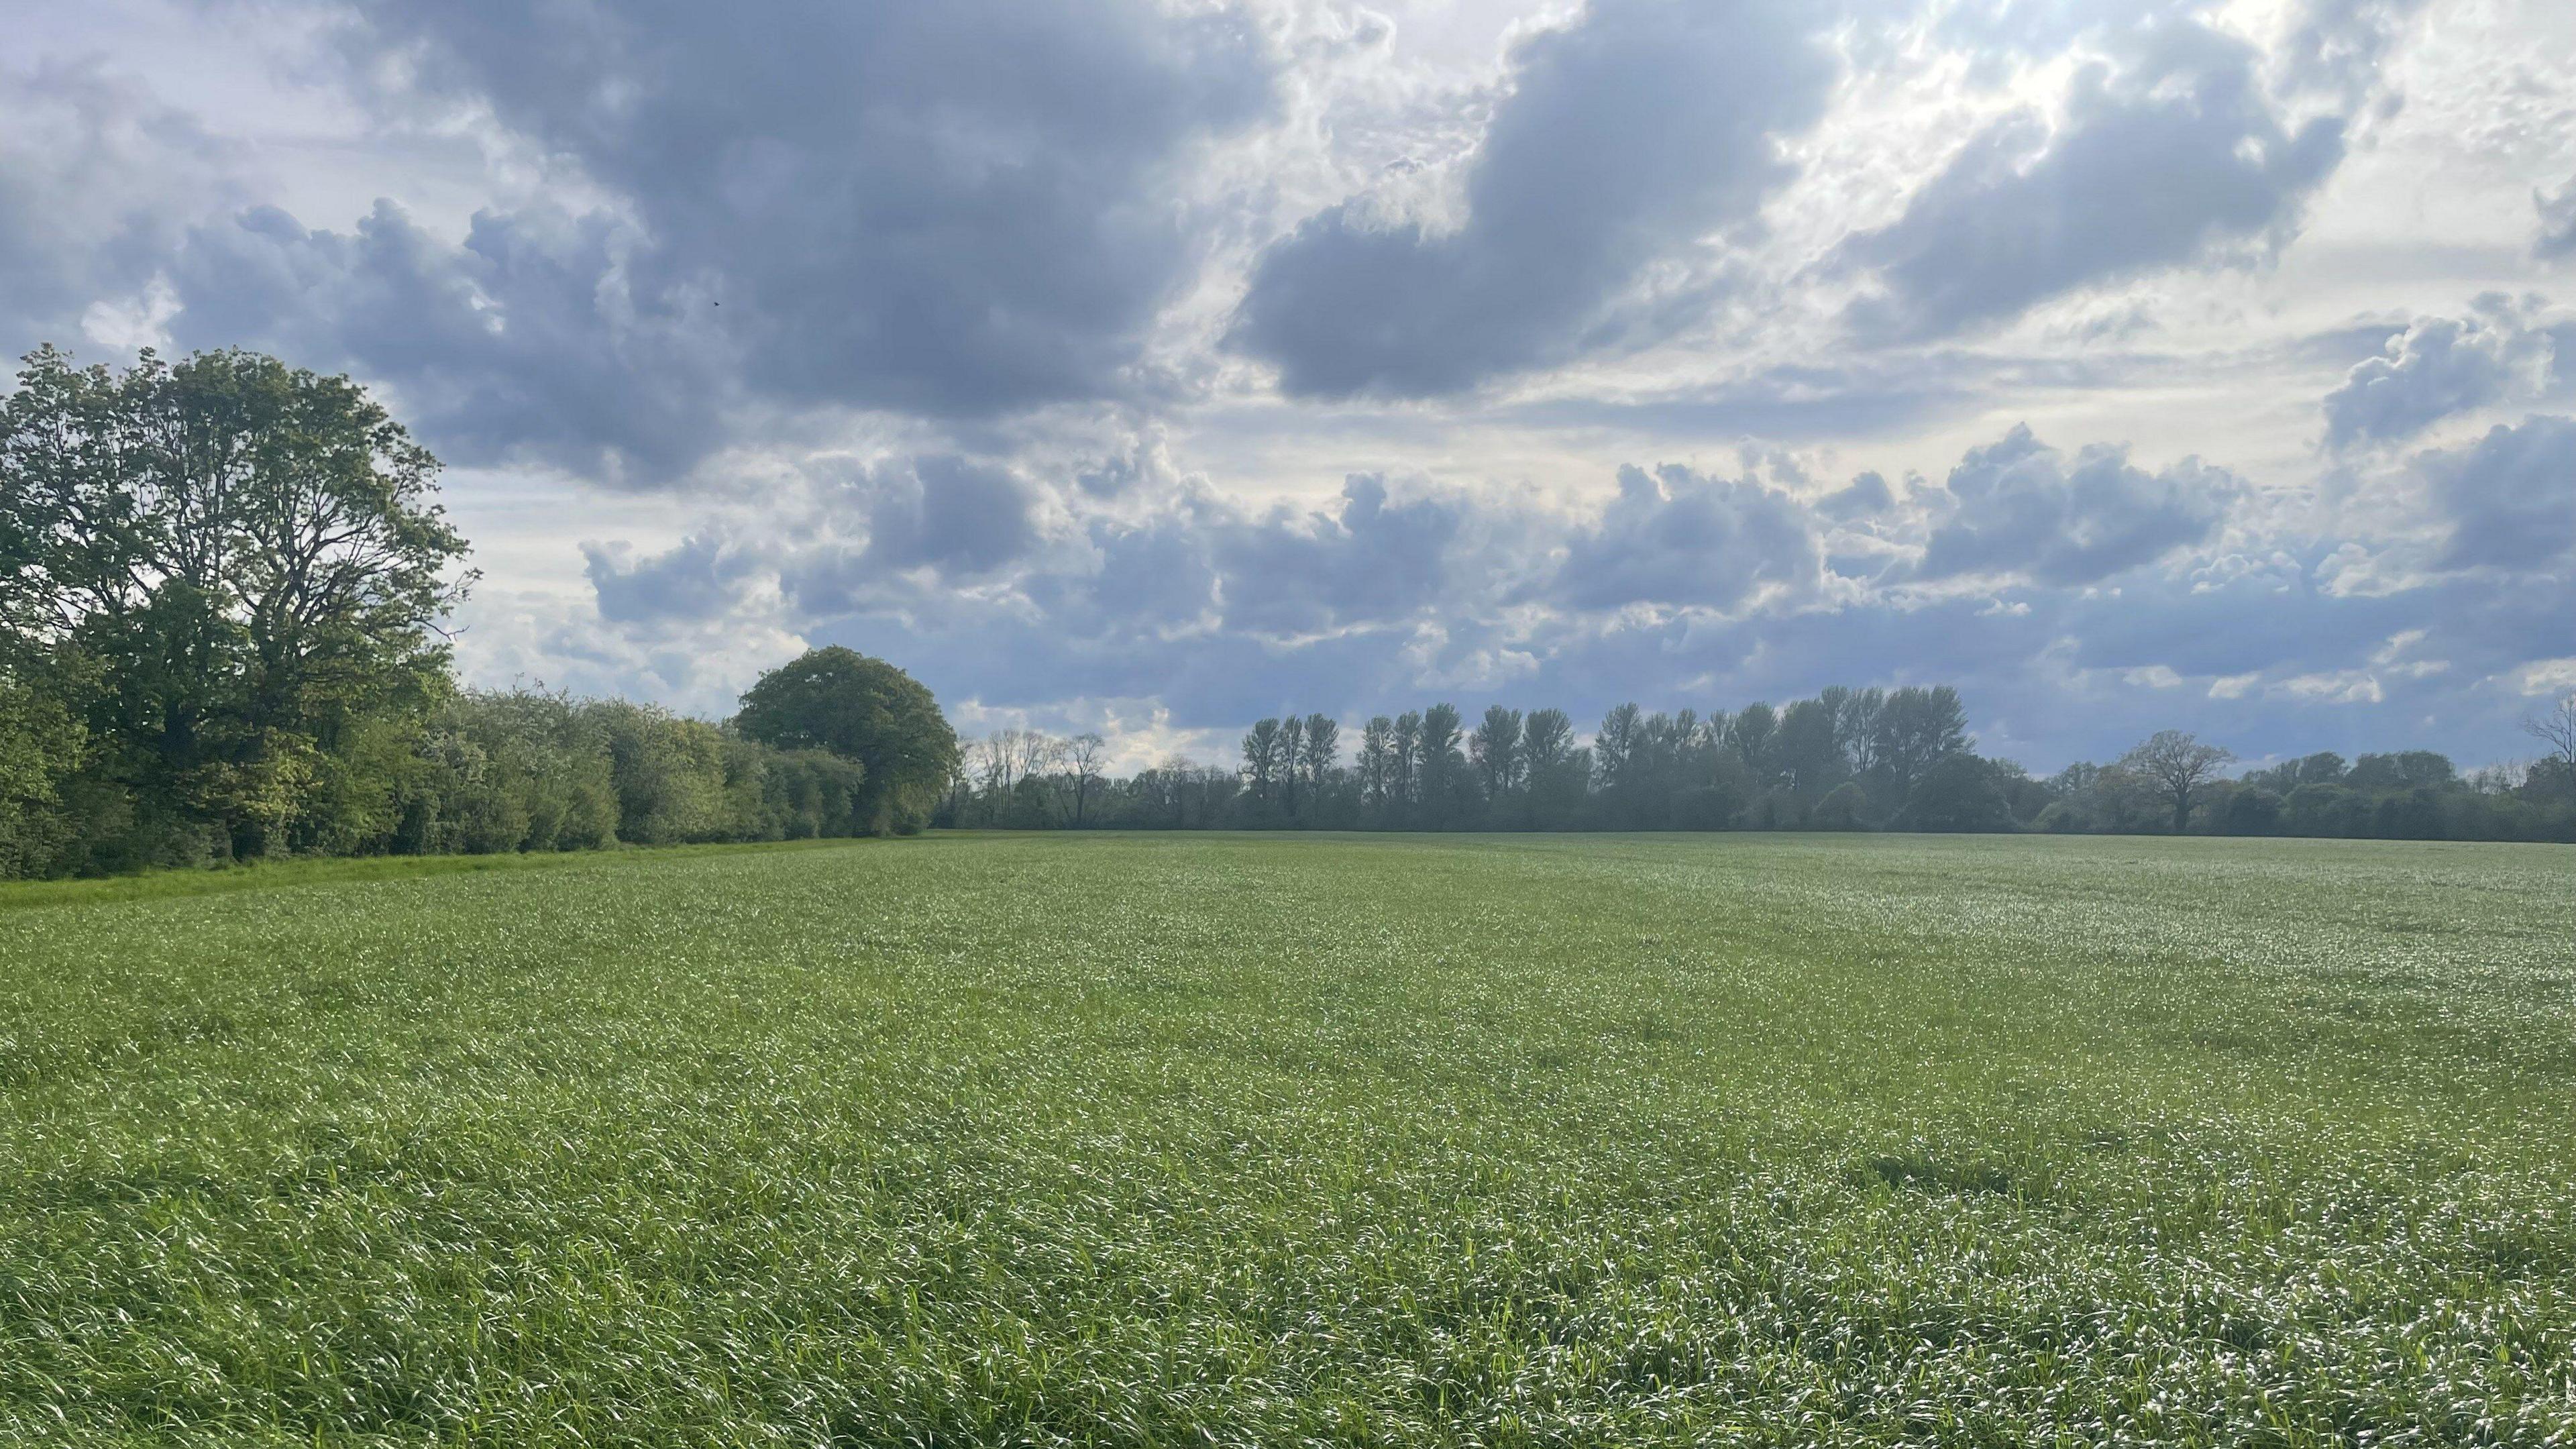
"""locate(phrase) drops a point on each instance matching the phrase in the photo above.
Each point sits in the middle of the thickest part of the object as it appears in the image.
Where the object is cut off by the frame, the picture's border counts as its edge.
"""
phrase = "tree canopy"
(843, 702)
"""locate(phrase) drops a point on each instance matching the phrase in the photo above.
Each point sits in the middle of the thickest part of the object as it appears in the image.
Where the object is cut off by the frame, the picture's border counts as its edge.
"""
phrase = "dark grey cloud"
(1676, 537)
(2018, 507)
(1372, 560)
(522, 344)
(96, 182)
(2510, 498)
(960, 208)
(2172, 153)
(957, 515)
(702, 577)
(1637, 129)
(2438, 367)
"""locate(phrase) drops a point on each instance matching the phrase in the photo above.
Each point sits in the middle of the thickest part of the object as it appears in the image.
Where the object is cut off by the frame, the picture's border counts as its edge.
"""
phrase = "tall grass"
(1118, 1140)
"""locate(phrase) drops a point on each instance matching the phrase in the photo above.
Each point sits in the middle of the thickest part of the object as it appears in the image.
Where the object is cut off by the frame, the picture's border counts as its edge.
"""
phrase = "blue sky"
(1150, 367)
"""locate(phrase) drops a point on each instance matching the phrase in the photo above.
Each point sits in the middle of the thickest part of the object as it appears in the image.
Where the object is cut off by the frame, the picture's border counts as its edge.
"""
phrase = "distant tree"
(1613, 744)
(1322, 751)
(2177, 765)
(1748, 739)
(2251, 811)
(1265, 752)
(1915, 729)
(1547, 738)
(1844, 807)
(1085, 752)
(2555, 728)
(1443, 762)
(1495, 749)
(1856, 714)
(1958, 792)
(2403, 770)
(1807, 749)
(1377, 761)
(1404, 783)
(1557, 773)
(1292, 755)
(847, 704)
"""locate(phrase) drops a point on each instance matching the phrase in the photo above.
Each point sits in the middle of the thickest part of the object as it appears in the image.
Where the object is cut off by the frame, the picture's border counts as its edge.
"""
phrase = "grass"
(1265, 1140)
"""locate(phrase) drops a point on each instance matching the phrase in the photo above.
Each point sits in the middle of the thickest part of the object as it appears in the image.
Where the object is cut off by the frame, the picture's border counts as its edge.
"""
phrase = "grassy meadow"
(1277, 1140)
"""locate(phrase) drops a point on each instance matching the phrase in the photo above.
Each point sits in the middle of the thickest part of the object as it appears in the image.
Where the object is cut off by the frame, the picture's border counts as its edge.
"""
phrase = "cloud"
(2164, 156)
(96, 183)
(1675, 537)
(2509, 498)
(956, 209)
(1866, 496)
(701, 578)
(1372, 561)
(2438, 367)
(2019, 508)
(524, 344)
(1639, 128)
(2557, 210)
(955, 515)
(2338, 46)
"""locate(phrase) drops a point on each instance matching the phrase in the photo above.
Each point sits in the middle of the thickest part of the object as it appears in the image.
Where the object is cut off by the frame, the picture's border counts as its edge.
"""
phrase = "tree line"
(1847, 759)
(221, 582)
(220, 587)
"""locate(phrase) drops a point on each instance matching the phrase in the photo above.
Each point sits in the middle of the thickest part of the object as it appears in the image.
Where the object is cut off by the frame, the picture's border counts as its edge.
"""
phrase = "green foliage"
(41, 746)
(865, 710)
(248, 562)
(525, 771)
(1249, 1141)
(1957, 792)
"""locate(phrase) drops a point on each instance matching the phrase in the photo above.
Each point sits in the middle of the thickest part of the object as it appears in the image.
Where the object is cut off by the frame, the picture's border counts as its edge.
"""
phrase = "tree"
(1292, 754)
(1806, 750)
(1404, 783)
(2177, 765)
(1547, 739)
(1264, 753)
(1377, 761)
(847, 704)
(1443, 764)
(1959, 792)
(1748, 739)
(247, 561)
(1085, 751)
(1323, 750)
(2555, 728)
(1496, 750)
(1916, 728)
(1612, 746)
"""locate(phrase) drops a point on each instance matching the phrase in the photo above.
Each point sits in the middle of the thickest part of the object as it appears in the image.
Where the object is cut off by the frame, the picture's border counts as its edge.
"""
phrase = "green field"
(1267, 1141)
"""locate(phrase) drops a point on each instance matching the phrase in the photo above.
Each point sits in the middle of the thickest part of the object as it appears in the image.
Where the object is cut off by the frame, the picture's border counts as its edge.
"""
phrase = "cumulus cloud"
(2167, 152)
(2020, 508)
(525, 343)
(1637, 129)
(703, 577)
(1675, 537)
(1372, 560)
(2438, 367)
(959, 208)
(2509, 498)
(97, 180)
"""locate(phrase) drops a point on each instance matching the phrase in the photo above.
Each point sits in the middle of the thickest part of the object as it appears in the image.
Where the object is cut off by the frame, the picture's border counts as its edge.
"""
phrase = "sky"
(1152, 367)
